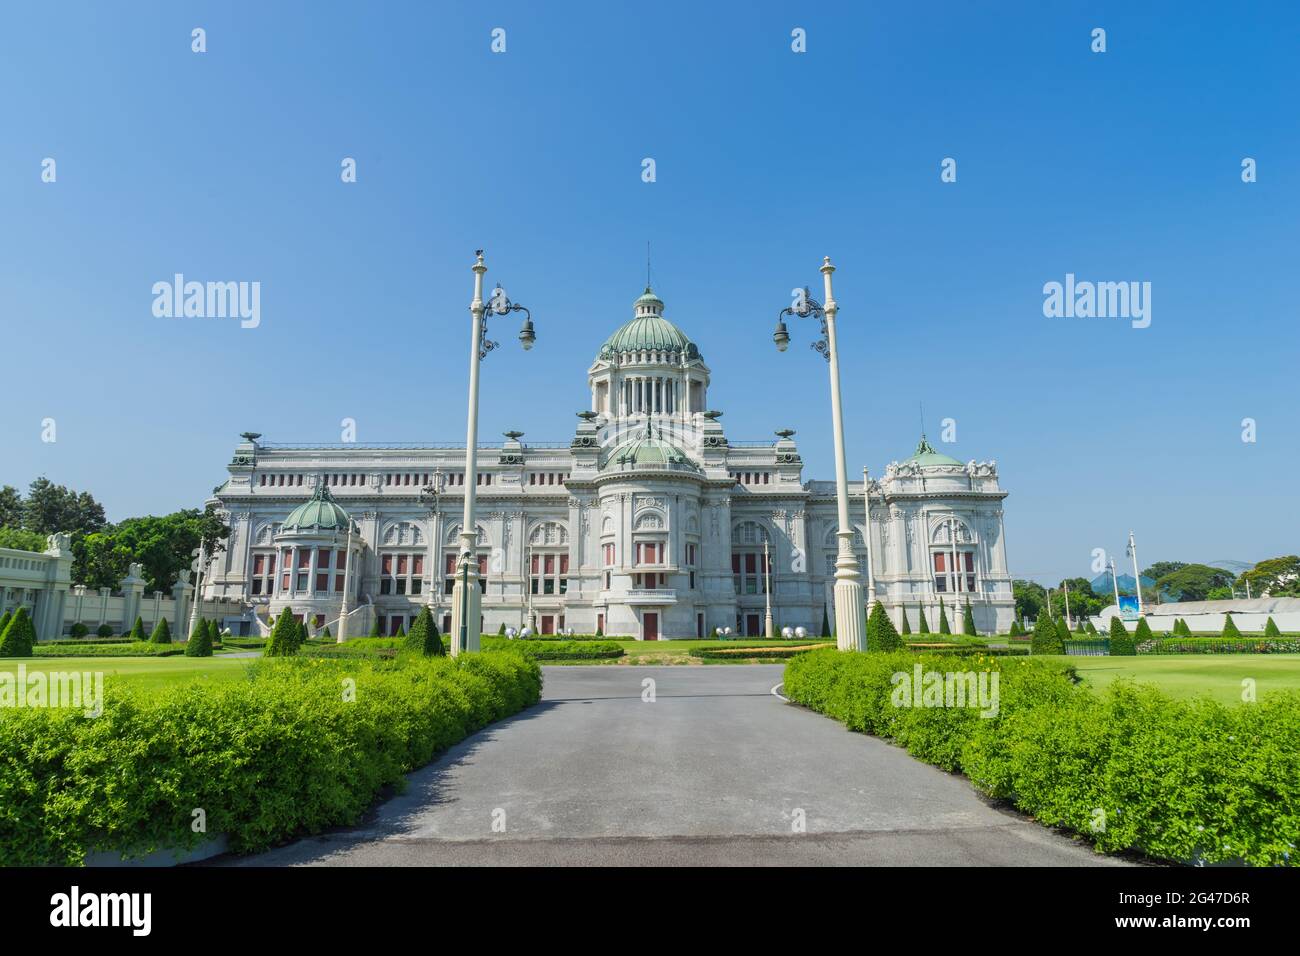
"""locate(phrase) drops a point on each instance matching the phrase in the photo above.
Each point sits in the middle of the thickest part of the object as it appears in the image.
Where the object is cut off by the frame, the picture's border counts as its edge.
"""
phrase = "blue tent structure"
(1101, 585)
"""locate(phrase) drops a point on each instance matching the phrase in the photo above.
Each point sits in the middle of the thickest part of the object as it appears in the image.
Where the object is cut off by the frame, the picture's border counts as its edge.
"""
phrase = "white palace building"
(649, 523)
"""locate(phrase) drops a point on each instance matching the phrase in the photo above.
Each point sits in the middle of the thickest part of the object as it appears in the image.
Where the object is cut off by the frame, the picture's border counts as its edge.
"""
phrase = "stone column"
(181, 592)
(132, 593)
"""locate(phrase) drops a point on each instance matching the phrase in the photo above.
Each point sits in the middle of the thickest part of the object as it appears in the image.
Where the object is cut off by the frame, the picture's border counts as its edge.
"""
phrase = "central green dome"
(649, 331)
(320, 513)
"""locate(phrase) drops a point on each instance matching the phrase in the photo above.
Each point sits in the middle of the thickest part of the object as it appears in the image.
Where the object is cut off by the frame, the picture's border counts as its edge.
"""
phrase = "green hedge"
(1219, 645)
(284, 754)
(752, 653)
(59, 642)
(244, 643)
(104, 649)
(1179, 780)
(555, 650)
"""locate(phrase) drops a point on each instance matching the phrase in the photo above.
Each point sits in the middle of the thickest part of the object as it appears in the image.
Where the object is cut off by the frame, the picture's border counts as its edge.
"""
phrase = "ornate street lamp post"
(849, 622)
(466, 599)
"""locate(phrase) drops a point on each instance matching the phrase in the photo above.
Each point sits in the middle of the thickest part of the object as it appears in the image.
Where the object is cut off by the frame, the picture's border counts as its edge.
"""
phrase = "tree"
(881, 635)
(920, 616)
(1230, 628)
(104, 630)
(968, 620)
(11, 507)
(4, 621)
(1276, 577)
(1045, 640)
(1016, 630)
(49, 508)
(1271, 629)
(1084, 602)
(943, 619)
(826, 623)
(1194, 582)
(1062, 632)
(374, 626)
(1158, 570)
(1121, 641)
(19, 637)
(284, 636)
(200, 642)
(1142, 633)
(137, 631)
(326, 636)
(164, 546)
(907, 628)
(78, 630)
(1030, 597)
(162, 632)
(424, 638)
(21, 540)
(501, 631)
(214, 633)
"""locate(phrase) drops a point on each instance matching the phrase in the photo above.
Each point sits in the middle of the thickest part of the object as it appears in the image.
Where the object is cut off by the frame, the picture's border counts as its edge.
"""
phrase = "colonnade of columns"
(658, 394)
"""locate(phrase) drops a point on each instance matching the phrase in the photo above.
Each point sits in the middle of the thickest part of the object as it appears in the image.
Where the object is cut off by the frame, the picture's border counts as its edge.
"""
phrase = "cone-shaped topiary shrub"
(826, 622)
(1141, 633)
(200, 642)
(19, 636)
(103, 630)
(1046, 639)
(600, 631)
(4, 621)
(1016, 629)
(501, 631)
(968, 620)
(325, 635)
(920, 618)
(881, 635)
(374, 626)
(284, 636)
(907, 628)
(214, 633)
(162, 632)
(1121, 641)
(1230, 628)
(424, 638)
(943, 619)
(1271, 629)
(1062, 632)
(137, 631)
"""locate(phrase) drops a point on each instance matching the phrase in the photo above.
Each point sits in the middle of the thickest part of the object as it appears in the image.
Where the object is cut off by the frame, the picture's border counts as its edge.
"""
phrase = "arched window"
(451, 557)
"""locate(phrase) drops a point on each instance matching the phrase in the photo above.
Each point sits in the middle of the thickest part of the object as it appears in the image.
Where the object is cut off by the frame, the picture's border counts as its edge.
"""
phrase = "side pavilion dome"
(320, 513)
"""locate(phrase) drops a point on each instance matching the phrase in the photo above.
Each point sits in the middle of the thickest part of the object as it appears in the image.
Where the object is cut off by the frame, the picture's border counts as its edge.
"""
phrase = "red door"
(651, 624)
(548, 624)
(751, 626)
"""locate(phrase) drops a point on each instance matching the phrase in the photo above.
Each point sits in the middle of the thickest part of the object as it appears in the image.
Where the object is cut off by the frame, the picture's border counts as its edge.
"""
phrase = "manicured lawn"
(149, 672)
(1194, 675)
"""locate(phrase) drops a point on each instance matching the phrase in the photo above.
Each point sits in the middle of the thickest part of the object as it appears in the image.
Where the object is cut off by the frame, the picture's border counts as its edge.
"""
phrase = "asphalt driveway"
(716, 770)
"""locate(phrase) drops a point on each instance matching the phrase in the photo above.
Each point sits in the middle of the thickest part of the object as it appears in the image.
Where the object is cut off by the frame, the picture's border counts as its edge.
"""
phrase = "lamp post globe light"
(849, 621)
(466, 599)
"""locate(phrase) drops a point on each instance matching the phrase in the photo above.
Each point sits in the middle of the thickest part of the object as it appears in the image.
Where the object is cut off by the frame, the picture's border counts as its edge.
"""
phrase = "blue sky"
(1121, 166)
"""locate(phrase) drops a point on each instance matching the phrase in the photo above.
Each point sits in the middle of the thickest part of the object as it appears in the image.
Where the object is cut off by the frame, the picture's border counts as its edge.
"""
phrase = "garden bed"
(1129, 768)
(302, 746)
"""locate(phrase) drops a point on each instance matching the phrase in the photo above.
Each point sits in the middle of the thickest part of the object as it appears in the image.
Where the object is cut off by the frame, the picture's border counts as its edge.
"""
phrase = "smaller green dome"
(648, 450)
(320, 513)
(926, 456)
